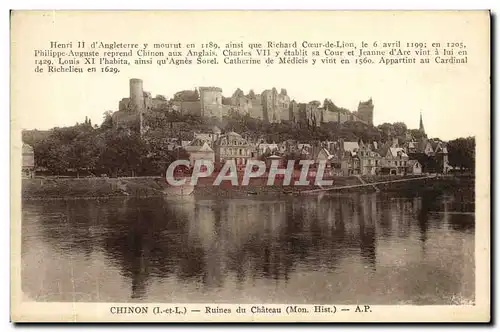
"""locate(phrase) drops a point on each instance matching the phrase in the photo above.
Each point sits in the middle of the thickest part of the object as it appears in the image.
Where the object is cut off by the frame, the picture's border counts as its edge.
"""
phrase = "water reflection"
(348, 248)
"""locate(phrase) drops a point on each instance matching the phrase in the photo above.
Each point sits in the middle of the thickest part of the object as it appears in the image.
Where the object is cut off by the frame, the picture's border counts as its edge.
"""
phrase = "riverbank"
(141, 187)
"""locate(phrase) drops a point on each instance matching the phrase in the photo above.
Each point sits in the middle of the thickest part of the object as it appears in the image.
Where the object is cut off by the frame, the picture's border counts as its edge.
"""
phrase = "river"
(332, 248)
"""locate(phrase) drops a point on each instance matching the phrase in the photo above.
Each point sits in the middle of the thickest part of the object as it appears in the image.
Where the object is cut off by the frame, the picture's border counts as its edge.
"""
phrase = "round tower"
(136, 94)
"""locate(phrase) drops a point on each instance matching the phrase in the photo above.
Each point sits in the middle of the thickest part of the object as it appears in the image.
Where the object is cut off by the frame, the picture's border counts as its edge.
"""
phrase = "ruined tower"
(136, 95)
(365, 111)
(275, 106)
(137, 103)
(211, 101)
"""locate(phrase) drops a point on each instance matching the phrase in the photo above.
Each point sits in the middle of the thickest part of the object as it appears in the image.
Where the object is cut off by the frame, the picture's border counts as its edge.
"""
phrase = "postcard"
(250, 166)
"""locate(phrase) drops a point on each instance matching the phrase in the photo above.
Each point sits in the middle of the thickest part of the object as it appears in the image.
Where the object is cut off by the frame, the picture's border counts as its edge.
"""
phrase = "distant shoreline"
(148, 187)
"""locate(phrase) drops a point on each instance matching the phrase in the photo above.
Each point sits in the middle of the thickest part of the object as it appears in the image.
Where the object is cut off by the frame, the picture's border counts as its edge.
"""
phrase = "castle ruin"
(270, 106)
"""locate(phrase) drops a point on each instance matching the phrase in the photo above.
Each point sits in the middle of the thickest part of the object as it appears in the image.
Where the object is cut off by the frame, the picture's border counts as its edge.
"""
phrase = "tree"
(387, 130)
(416, 134)
(315, 103)
(107, 122)
(327, 103)
(53, 155)
(239, 93)
(399, 128)
(180, 154)
(122, 152)
(187, 95)
(158, 156)
(83, 153)
(462, 153)
(34, 137)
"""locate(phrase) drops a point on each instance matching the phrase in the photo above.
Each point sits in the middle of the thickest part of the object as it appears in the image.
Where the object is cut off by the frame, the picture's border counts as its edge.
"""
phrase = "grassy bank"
(89, 187)
(53, 188)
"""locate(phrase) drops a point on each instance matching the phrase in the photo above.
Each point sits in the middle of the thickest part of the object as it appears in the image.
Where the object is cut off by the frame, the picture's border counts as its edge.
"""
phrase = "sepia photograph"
(275, 174)
(395, 226)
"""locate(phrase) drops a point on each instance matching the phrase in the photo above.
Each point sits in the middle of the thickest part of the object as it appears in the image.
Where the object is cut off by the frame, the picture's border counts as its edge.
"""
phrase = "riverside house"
(199, 149)
(396, 162)
(369, 160)
(414, 167)
(232, 146)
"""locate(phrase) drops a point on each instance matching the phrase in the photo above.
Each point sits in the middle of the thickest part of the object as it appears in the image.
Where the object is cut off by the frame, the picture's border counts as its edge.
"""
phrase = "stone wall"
(189, 107)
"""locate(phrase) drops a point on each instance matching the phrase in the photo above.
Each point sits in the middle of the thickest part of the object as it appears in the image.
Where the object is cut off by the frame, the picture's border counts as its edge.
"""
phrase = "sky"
(453, 99)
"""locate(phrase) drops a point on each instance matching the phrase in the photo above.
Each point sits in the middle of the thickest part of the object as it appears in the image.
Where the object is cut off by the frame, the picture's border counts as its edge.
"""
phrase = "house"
(333, 164)
(355, 164)
(362, 159)
(425, 147)
(348, 158)
(395, 162)
(370, 161)
(350, 163)
(432, 156)
(411, 147)
(441, 156)
(232, 146)
(414, 167)
(28, 161)
(199, 149)
(323, 155)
